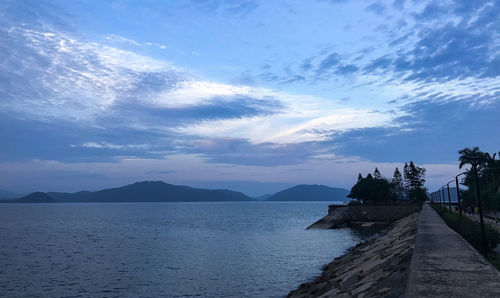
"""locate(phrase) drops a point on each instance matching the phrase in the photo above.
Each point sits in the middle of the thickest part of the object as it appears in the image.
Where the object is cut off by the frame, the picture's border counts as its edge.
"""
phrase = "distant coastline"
(158, 191)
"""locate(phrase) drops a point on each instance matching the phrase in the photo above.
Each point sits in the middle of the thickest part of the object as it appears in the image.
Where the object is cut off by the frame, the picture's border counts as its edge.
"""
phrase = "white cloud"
(190, 93)
(106, 145)
(84, 80)
(290, 126)
(117, 38)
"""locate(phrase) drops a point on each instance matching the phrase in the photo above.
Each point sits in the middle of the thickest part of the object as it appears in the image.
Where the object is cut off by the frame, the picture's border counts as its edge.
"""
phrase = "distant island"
(36, 197)
(158, 191)
(310, 193)
(146, 191)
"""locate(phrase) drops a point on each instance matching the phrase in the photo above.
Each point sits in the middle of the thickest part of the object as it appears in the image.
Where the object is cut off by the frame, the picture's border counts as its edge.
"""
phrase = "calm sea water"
(164, 249)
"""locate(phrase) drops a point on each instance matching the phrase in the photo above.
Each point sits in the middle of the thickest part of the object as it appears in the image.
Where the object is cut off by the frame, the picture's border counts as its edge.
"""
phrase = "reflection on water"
(164, 249)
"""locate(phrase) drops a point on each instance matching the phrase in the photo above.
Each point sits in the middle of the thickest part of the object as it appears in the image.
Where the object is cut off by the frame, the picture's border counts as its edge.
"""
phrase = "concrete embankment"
(342, 216)
(445, 265)
(378, 267)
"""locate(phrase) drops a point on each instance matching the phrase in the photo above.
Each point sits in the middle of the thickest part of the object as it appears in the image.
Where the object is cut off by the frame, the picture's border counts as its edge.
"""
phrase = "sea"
(229, 249)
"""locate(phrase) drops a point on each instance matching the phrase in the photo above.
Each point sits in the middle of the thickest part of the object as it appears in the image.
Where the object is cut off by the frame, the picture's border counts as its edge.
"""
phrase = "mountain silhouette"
(151, 191)
(310, 193)
(36, 197)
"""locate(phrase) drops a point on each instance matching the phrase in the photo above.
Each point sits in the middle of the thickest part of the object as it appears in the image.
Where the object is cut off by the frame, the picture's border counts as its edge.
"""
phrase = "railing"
(440, 197)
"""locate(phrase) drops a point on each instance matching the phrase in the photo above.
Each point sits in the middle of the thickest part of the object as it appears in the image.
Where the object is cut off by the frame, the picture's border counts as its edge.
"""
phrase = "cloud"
(428, 46)
(122, 93)
(103, 102)
(330, 61)
(237, 7)
(49, 74)
(121, 39)
(376, 7)
(432, 131)
(106, 145)
(339, 172)
(289, 126)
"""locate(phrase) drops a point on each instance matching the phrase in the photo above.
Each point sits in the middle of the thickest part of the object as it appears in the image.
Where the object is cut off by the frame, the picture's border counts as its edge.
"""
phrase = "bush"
(469, 229)
(372, 191)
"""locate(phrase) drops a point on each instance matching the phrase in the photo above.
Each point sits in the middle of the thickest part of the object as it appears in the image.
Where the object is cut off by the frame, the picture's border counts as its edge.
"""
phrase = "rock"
(362, 288)
(319, 288)
(331, 293)
(377, 267)
(350, 279)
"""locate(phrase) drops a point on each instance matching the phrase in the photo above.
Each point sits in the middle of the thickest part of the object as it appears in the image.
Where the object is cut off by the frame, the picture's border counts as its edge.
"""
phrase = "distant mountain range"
(147, 191)
(310, 193)
(157, 191)
(36, 197)
(5, 194)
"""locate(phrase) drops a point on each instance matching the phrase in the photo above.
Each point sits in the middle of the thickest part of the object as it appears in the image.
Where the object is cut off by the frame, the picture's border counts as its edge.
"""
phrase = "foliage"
(414, 180)
(469, 229)
(377, 189)
(488, 171)
(397, 184)
(494, 259)
(372, 190)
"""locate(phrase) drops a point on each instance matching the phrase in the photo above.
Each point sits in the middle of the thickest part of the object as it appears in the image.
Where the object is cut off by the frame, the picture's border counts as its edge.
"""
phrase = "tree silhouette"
(370, 190)
(414, 180)
(376, 174)
(488, 172)
(467, 155)
(397, 184)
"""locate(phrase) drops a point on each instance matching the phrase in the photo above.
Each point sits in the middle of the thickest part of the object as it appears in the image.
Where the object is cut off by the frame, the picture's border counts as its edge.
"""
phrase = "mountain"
(151, 191)
(310, 193)
(36, 197)
(5, 194)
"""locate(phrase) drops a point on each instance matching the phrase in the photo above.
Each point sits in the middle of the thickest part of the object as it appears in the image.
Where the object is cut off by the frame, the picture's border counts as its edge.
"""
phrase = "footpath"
(445, 265)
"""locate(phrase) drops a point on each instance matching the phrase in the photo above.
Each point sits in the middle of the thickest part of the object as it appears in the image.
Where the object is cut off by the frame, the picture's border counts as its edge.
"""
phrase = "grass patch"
(494, 259)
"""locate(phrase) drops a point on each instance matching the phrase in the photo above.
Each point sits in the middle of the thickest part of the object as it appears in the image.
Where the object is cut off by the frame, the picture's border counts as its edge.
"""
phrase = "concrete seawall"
(375, 268)
(417, 256)
(342, 216)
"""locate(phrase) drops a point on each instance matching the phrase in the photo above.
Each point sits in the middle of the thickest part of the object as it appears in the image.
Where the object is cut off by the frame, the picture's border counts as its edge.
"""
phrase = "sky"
(249, 95)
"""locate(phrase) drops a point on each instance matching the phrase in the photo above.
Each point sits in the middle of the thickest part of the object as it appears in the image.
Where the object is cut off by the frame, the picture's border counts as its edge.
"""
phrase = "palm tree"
(476, 158)
(472, 156)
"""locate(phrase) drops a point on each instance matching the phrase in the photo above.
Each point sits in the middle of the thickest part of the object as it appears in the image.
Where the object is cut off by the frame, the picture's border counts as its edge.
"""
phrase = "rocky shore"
(377, 267)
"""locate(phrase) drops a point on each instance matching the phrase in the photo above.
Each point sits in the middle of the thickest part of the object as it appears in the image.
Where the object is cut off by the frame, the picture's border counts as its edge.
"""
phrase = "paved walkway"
(445, 265)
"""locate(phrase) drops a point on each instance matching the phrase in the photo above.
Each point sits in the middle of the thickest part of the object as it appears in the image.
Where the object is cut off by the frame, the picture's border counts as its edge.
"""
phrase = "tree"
(414, 180)
(406, 178)
(360, 177)
(417, 176)
(376, 174)
(467, 154)
(371, 190)
(488, 171)
(397, 184)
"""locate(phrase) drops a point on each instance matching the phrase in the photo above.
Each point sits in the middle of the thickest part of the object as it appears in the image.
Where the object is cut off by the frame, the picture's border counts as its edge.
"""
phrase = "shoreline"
(377, 267)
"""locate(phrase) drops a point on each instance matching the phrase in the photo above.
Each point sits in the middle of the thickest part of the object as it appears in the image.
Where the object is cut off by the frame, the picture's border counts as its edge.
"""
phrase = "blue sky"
(243, 94)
